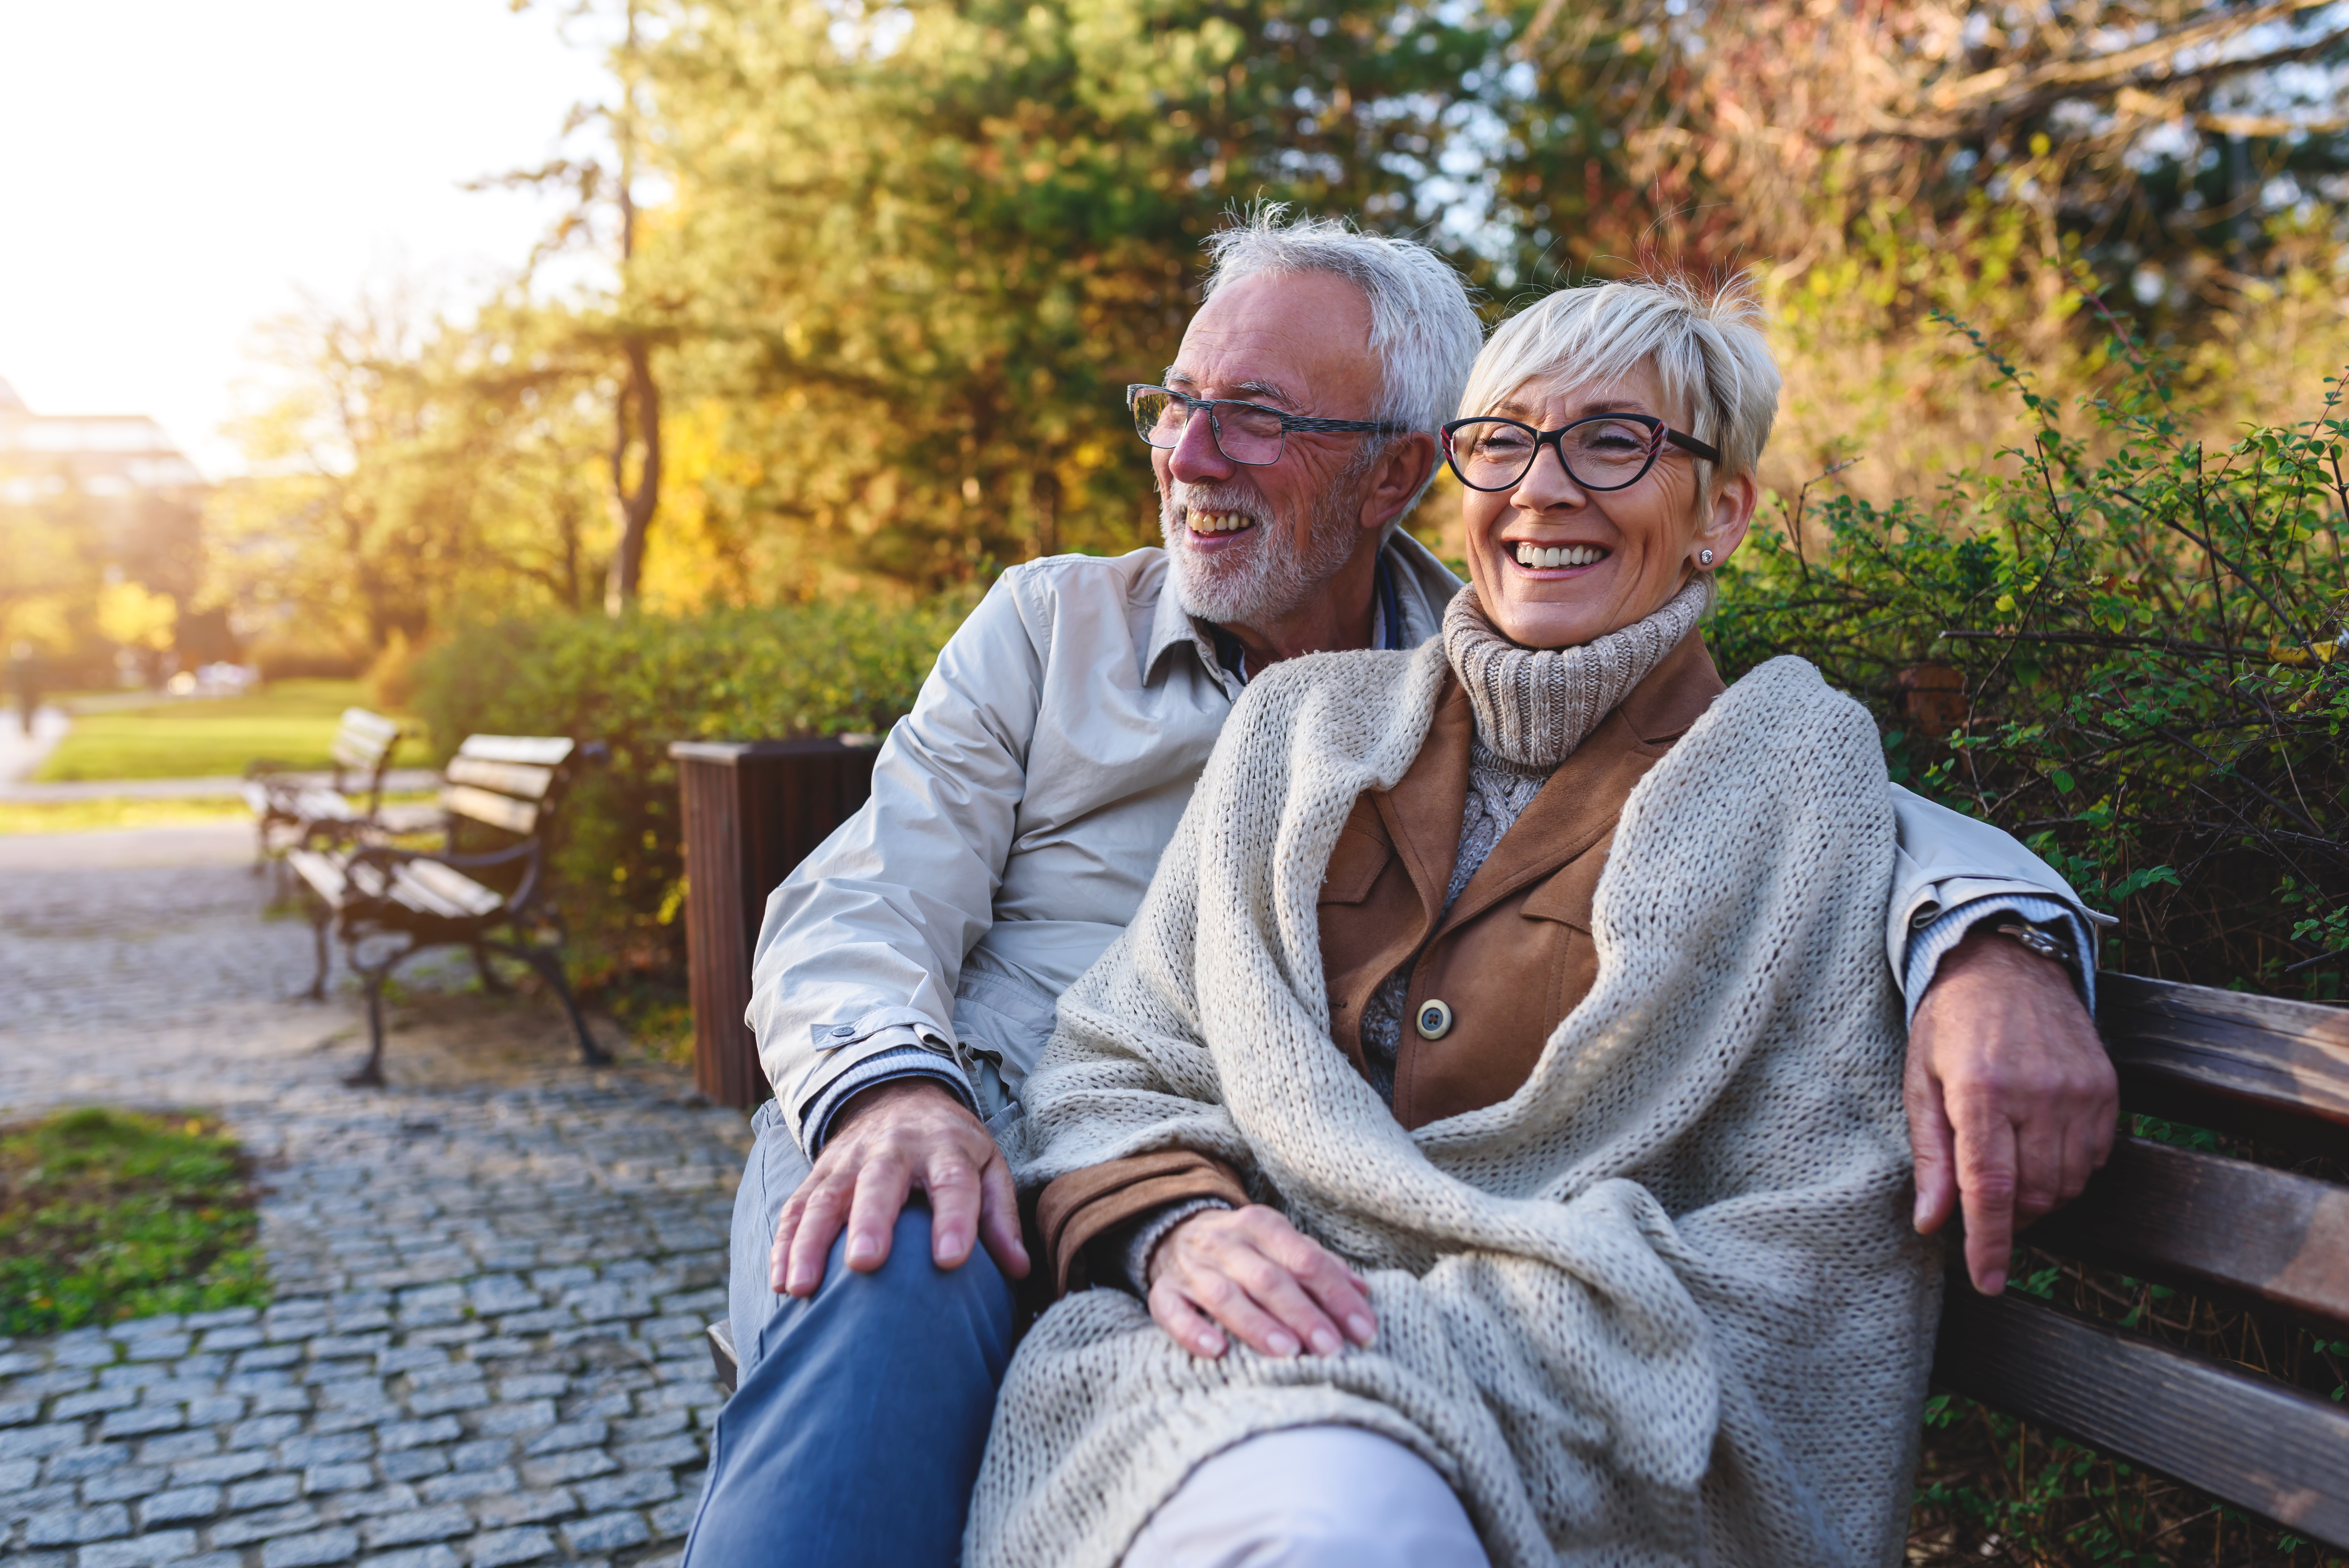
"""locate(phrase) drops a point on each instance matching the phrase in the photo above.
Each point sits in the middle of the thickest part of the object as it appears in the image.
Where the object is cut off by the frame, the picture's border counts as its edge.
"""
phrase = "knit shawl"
(1534, 706)
(1662, 1305)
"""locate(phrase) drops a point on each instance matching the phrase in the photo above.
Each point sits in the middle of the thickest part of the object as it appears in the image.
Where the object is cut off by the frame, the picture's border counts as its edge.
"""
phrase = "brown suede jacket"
(1510, 960)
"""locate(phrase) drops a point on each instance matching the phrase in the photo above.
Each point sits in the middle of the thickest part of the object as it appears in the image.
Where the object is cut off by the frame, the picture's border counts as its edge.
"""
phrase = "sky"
(176, 173)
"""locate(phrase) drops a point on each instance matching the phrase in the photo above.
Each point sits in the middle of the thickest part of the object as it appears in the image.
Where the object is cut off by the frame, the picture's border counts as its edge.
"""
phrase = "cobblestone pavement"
(484, 1348)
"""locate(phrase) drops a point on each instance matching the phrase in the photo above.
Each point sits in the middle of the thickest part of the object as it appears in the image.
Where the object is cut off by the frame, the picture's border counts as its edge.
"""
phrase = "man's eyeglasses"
(1604, 452)
(1244, 432)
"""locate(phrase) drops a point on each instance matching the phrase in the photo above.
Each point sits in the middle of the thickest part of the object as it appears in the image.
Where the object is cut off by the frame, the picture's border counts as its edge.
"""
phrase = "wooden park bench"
(2221, 1228)
(500, 792)
(294, 810)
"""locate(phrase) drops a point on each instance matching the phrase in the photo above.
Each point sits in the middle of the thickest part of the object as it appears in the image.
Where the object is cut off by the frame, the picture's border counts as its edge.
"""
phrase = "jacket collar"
(1423, 586)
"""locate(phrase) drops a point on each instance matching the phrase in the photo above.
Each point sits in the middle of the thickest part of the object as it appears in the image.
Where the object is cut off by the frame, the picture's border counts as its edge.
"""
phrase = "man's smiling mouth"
(1203, 522)
(1541, 557)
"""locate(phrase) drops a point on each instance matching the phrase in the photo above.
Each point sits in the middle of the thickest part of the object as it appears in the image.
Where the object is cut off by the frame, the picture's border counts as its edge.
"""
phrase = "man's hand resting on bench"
(1250, 1271)
(888, 1141)
(2011, 1100)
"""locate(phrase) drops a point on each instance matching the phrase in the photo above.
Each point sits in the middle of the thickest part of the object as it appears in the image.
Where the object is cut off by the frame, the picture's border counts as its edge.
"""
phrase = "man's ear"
(1402, 470)
(1731, 514)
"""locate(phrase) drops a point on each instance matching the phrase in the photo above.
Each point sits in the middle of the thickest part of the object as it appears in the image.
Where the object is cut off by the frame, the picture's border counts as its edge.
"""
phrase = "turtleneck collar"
(1534, 706)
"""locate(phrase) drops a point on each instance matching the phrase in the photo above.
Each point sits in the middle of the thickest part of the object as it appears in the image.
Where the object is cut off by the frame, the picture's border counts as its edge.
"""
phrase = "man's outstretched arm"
(2013, 1103)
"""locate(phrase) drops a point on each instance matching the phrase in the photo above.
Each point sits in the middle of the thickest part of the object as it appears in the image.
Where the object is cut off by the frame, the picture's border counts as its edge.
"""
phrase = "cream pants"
(1312, 1496)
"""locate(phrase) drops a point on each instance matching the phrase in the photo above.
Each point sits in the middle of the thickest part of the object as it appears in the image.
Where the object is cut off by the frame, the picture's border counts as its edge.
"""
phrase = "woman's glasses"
(1604, 452)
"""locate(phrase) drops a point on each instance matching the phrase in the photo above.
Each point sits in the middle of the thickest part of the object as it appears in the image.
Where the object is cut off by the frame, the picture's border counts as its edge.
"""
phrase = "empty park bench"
(500, 792)
(2224, 1230)
(294, 810)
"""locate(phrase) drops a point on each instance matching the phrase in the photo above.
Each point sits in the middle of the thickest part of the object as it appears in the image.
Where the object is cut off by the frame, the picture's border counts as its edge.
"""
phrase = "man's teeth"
(1561, 555)
(1218, 522)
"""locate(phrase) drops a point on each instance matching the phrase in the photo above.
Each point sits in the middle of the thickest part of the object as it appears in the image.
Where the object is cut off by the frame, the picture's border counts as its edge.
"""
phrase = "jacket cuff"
(906, 1058)
(1932, 942)
(1083, 1206)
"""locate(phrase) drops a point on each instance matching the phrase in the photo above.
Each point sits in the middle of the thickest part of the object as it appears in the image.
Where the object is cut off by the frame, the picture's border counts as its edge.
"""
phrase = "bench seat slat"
(2269, 1234)
(497, 811)
(323, 874)
(538, 750)
(2265, 1052)
(443, 891)
(518, 778)
(2275, 1449)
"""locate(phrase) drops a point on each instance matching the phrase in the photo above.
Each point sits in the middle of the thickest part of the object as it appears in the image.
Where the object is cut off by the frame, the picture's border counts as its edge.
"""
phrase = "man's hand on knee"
(886, 1142)
(1253, 1272)
(2013, 1103)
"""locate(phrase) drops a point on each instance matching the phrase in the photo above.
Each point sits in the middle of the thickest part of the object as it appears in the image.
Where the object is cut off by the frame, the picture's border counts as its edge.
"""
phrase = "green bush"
(639, 684)
(2137, 637)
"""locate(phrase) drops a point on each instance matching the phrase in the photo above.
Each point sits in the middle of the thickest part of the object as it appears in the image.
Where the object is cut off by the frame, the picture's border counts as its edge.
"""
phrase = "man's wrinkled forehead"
(1296, 341)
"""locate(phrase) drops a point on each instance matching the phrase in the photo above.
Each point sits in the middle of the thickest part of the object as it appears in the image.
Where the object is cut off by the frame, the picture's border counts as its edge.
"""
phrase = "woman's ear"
(1723, 530)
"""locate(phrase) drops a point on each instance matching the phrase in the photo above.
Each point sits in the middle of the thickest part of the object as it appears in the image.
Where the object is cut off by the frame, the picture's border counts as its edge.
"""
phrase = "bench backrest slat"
(364, 726)
(537, 750)
(2221, 1050)
(2254, 1441)
(518, 778)
(498, 810)
(2252, 1232)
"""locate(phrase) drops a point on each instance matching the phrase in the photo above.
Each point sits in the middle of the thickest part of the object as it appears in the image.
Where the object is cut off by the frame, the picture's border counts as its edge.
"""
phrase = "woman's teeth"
(1219, 521)
(1534, 555)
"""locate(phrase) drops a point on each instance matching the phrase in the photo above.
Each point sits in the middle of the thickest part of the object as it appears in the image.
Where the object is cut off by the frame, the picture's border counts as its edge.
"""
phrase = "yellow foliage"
(129, 614)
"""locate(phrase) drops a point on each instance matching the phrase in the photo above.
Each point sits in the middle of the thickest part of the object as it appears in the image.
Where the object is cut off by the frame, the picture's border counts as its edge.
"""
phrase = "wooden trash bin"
(752, 811)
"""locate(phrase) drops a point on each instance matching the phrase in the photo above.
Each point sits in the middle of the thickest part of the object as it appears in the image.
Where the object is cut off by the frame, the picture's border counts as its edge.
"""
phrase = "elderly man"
(906, 973)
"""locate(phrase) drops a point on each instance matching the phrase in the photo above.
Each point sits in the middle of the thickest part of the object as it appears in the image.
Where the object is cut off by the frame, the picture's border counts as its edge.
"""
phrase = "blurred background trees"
(872, 277)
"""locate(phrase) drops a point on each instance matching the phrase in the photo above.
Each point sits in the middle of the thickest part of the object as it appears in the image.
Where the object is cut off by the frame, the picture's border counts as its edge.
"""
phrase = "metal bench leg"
(370, 1074)
(550, 969)
(490, 981)
(318, 923)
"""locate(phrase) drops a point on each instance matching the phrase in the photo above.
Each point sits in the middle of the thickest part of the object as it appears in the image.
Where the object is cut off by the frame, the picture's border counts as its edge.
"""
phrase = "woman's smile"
(1554, 559)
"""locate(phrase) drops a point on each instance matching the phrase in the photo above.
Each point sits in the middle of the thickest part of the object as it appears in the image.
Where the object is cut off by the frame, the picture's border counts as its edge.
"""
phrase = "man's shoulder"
(1135, 576)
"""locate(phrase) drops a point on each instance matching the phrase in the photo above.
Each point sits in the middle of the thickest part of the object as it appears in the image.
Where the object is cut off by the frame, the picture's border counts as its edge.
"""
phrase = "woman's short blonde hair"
(1707, 343)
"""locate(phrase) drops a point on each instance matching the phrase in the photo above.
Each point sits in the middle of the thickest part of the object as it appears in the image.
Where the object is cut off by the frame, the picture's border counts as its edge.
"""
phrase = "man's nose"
(1197, 459)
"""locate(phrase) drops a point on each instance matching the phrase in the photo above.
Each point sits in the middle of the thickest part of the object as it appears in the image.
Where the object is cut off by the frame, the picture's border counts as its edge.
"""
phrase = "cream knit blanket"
(1660, 1306)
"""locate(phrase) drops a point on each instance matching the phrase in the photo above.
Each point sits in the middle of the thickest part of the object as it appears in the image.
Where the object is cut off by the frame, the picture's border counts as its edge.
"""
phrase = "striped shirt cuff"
(1928, 947)
(907, 1061)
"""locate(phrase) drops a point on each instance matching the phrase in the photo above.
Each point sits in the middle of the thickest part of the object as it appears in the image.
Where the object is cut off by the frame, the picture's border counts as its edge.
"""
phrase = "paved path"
(484, 1348)
(20, 753)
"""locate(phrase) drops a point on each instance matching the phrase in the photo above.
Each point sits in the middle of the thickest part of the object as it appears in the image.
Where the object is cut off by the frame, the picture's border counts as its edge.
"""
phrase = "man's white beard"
(1262, 582)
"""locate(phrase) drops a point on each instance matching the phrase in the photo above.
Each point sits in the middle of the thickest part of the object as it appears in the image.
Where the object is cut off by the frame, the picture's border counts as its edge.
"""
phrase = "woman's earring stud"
(1704, 557)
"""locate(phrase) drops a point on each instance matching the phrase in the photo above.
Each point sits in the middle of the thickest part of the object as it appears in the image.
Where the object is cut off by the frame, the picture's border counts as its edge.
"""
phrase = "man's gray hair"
(1423, 332)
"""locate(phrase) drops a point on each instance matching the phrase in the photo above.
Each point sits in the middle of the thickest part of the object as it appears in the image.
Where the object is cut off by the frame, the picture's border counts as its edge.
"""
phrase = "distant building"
(108, 457)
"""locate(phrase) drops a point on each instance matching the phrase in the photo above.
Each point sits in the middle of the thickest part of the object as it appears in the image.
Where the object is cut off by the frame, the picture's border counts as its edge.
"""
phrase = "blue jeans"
(855, 1432)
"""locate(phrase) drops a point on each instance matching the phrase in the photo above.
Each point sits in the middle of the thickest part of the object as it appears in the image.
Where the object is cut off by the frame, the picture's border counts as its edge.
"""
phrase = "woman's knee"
(1314, 1497)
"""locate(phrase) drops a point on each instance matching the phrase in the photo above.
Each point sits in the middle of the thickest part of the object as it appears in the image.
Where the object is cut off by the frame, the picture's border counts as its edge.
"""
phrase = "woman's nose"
(1546, 483)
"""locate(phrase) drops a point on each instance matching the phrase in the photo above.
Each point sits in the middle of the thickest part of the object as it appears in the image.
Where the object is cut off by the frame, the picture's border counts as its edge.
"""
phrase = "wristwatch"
(2037, 939)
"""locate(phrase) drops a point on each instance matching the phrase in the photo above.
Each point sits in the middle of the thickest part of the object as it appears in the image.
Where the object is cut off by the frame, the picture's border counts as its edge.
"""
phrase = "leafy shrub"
(2128, 652)
(640, 684)
(106, 1215)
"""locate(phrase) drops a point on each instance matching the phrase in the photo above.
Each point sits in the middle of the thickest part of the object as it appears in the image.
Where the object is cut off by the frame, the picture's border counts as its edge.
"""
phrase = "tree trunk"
(633, 509)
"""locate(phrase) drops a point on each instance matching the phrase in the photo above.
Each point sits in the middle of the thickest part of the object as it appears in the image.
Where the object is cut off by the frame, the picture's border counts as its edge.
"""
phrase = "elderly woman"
(1508, 1027)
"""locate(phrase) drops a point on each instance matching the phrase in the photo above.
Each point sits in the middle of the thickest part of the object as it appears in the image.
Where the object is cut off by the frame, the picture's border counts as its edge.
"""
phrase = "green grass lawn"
(293, 722)
(106, 1215)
